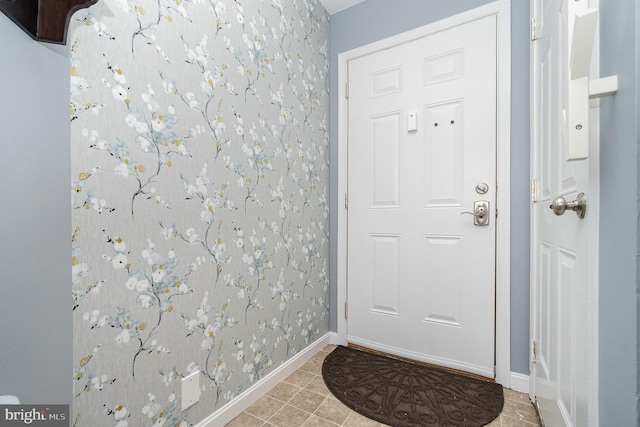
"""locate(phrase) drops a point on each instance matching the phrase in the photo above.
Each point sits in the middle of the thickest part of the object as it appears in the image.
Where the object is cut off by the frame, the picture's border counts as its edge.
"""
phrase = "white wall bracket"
(606, 86)
(580, 89)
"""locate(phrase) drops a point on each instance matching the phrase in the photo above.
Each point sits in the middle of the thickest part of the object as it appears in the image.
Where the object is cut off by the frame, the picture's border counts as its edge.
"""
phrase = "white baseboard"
(519, 382)
(234, 408)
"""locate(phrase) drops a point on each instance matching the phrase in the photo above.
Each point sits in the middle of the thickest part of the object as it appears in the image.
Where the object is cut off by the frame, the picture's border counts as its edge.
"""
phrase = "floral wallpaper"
(199, 198)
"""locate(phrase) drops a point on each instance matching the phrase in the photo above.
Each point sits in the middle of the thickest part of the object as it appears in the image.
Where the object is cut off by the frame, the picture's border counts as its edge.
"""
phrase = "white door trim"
(593, 286)
(502, 10)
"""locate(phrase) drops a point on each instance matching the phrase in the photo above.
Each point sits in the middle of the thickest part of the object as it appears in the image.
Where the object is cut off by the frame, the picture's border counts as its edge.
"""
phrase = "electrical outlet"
(190, 389)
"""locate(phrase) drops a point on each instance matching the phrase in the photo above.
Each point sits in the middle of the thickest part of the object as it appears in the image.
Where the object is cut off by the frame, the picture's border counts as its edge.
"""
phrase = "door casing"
(502, 10)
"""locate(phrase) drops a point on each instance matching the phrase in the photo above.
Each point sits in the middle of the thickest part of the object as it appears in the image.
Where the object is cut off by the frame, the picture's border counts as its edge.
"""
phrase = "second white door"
(422, 151)
(561, 274)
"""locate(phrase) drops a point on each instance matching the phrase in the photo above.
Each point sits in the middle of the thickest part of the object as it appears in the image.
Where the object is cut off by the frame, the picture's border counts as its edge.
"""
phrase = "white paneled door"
(422, 153)
(560, 243)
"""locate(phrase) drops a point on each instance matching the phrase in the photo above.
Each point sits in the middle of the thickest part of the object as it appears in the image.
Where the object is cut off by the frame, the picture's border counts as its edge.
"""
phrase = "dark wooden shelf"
(44, 20)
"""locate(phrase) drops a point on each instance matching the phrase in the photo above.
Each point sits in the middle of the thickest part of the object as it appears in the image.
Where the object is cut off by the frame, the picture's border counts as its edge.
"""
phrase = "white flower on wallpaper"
(200, 206)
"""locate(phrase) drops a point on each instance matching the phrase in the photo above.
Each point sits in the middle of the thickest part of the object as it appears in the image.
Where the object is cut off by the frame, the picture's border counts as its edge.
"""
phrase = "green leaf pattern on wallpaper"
(199, 132)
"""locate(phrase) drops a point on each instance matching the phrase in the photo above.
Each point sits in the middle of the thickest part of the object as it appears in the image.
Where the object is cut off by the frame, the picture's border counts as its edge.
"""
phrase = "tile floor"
(302, 400)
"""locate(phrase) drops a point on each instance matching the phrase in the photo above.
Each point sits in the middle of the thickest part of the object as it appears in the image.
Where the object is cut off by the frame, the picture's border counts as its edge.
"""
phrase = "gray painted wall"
(35, 221)
(375, 20)
(618, 312)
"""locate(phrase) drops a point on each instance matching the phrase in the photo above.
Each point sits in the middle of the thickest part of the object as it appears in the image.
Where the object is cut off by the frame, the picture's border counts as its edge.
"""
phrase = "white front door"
(422, 150)
(560, 244)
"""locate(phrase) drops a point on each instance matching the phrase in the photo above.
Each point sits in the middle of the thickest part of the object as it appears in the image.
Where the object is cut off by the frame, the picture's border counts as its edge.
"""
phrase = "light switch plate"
(190, 389)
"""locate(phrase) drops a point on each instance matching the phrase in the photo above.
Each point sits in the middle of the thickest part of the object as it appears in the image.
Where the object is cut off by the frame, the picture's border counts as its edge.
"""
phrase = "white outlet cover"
(190, 389)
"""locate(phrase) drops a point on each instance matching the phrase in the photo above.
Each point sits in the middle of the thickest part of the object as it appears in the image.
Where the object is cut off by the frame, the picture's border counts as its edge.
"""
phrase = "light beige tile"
(495, 423)
(329, 348)
(332, 396)
(300, 378)
(513, 422)
(245, 420)
(523, 411)
(284, 391)
(319, 357)
(289, 416)
(307, 400)
(333, 411)
(265, 407)
(315, 421)
(312, 366)
(317, 385)
(516, 395)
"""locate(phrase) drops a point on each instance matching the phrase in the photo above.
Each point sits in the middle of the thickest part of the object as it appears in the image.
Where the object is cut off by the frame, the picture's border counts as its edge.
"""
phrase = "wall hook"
(580, 89)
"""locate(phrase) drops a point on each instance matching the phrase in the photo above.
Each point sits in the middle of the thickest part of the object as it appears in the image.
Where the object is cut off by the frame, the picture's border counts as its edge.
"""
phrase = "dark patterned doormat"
(404, 394)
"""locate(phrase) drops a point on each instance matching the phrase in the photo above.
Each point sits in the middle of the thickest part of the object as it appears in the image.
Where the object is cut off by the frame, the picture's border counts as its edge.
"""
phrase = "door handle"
(480, 212)
(579, 205)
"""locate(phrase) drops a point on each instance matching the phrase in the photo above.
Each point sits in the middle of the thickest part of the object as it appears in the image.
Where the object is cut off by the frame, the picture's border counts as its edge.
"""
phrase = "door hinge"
(346, 310)
(346, 90)
(346, 200)
(534, 29)
(534, 351)
(534, 190)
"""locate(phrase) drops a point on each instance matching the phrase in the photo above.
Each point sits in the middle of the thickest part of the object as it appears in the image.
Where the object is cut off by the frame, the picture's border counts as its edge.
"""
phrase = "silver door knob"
(579, 205)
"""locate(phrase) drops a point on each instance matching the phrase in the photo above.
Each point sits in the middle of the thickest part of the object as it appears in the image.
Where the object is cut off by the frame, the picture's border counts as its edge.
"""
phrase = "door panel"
(442, 303)
(444, 161)
(385, 259)
(421, 275)
(385, 161)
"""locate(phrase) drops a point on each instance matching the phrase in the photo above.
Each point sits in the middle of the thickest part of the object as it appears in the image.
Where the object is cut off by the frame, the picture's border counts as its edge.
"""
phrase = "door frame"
(502, 10)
